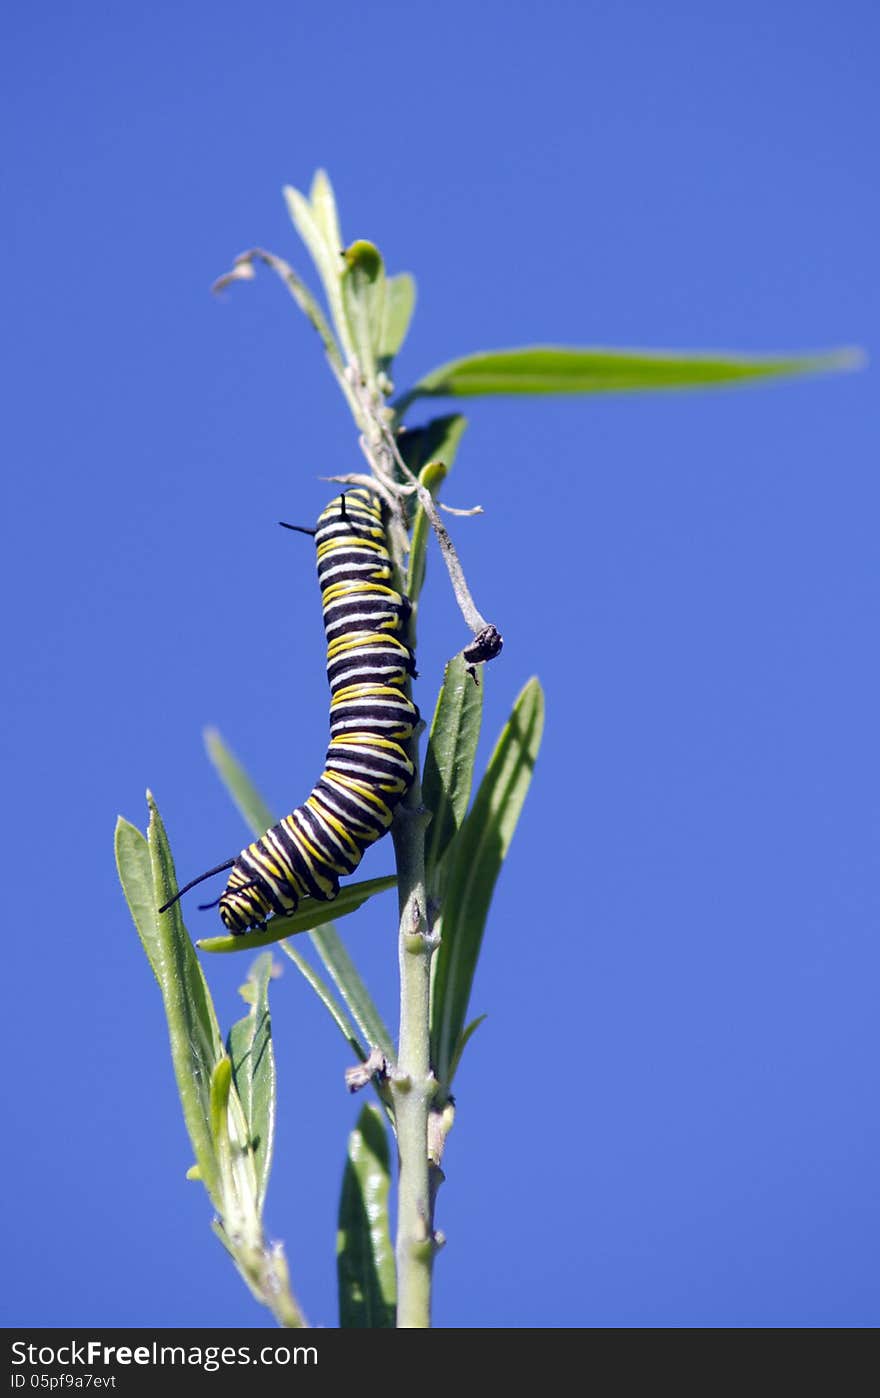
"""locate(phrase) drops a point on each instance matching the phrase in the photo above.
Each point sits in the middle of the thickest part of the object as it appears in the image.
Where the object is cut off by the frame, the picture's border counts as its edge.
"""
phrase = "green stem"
(413, 1084)
(264, 1269)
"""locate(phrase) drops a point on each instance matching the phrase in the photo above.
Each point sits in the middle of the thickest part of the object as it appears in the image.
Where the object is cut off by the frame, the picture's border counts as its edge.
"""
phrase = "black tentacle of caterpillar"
(366, 770)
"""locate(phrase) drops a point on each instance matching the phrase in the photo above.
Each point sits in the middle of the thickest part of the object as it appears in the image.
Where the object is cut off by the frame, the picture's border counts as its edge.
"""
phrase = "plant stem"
(387, 447)
(413, 1084)
(264, 1269)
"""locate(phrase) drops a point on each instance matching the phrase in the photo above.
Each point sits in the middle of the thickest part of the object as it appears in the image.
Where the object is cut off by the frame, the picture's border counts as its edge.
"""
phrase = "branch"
(384, 452)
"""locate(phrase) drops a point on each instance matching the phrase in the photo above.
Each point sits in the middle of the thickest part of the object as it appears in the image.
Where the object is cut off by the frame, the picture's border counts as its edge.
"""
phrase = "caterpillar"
(367, 770)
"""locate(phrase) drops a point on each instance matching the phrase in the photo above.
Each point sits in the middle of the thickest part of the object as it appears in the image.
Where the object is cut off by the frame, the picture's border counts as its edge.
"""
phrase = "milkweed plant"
(449, 849)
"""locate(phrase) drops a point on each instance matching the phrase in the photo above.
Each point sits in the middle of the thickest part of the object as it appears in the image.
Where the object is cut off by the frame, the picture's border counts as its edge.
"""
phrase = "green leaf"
(147, 873)
(449, 760)
(136, 875)
(253, 1069)
(311, 913)
(364, 1253)
(316, 234)
(475, 860)
(363, 296)
(358, 1000)
(323, 202)
(324, 938)
(221, 1084)
(397, 308)
(558, 369)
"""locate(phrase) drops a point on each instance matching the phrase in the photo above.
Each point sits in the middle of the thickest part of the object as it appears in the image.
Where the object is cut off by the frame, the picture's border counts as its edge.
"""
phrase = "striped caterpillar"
(366, 770)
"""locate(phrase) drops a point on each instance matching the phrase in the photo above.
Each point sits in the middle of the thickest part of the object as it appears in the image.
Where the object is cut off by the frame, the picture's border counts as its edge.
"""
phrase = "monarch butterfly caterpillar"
(366, 770)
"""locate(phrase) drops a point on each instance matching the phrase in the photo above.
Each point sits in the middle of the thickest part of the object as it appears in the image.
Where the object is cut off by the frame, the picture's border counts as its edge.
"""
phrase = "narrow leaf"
(325, 938)
(357, 998)
(326, 257)
(221, 1083)
(323, 202)
(475, 862)
(364, 1253)
(239, 1214)
(253, 1069)
(449, 760)
(558, 369)
(196, 1046)
(363, 295)
(397, 308)
(136, 875)
(311, 913)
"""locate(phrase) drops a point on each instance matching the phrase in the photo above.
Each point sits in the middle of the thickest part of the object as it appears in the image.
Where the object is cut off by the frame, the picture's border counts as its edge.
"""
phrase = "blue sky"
(669, 1117)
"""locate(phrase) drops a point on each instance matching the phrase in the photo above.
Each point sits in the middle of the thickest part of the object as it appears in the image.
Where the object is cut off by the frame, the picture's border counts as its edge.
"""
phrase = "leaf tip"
(295, 201)
(532, 692)
(849, 359)
(154, 811)
(320, 183)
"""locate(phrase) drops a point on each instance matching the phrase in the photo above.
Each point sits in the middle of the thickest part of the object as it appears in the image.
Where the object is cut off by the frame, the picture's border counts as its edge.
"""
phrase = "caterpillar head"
(242, 908)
